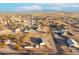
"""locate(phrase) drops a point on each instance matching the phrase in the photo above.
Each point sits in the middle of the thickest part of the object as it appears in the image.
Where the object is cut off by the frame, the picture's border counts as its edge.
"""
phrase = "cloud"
(64, 5)
(59, 4)
(48, 7)
(75, 5)
(56, 8)
(29, 8)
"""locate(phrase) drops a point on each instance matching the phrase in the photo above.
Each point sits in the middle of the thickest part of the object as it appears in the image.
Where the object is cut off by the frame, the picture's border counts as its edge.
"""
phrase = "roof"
(36, 40)
(71, 42)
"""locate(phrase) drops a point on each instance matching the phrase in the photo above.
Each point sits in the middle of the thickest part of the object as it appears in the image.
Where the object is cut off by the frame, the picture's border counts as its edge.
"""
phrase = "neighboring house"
(42, 44)
(36, 41)
(63, 33)
(7, 41)
(71, 42)
(17, 30)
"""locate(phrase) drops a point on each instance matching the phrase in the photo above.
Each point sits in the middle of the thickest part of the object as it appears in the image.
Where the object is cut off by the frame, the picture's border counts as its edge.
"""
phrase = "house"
(37, 46)
(17, 30)
(63, 33)
(26, 46)
(36, 41)
(71, 42)
(7, 41)
(42, 44)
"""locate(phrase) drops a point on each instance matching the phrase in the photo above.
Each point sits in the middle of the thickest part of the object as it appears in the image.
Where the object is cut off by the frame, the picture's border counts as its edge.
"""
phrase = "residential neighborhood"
(39, 29)
(38, 34)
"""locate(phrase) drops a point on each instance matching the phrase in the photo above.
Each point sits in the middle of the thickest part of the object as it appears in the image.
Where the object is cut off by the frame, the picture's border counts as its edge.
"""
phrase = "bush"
(3, 45)
(17, 47)
(11, 36)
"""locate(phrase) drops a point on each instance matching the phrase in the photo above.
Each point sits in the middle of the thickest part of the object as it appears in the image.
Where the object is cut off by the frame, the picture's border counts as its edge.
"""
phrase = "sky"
(39, 7)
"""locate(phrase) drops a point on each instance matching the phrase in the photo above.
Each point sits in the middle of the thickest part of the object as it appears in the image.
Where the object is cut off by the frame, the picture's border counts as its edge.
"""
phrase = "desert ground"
(36, 34)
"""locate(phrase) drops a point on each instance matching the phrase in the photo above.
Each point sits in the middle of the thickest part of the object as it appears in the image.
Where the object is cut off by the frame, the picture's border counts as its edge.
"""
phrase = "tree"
(13, 25)
(16, 47)
(2, 44)
(1, 26)
(62, 27)
(1, 37)
(11, 36)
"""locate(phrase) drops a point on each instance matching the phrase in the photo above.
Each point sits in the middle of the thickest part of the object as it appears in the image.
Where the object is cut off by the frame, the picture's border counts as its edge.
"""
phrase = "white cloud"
(75, 5)
(59, 4)
(56, 8)
(64, 5)
(29, 8)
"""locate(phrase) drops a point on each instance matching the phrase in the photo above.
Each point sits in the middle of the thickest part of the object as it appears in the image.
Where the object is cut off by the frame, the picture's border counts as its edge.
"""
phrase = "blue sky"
(33, 7)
